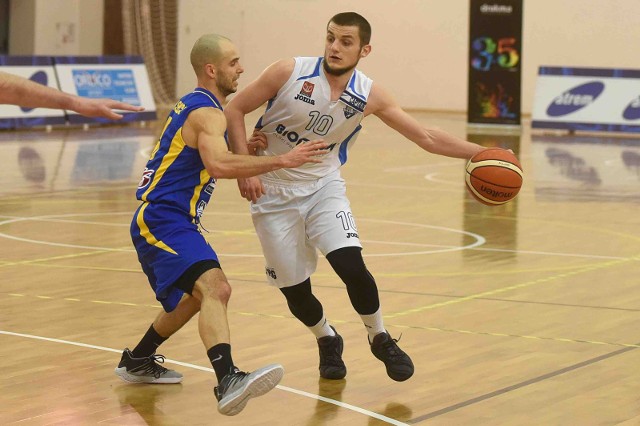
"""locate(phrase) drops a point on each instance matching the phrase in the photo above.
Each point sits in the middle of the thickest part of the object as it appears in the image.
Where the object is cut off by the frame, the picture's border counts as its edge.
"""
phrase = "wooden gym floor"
(524, 314)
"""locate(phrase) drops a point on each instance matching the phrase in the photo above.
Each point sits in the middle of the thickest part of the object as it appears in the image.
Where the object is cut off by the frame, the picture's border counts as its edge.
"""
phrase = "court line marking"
(474, 246)
(421, 168)
(240, 275)
(338, 321)
(210, 370)
(34, 262)
(431, 177)
(479, 239)
(513, 287)
(517, 386)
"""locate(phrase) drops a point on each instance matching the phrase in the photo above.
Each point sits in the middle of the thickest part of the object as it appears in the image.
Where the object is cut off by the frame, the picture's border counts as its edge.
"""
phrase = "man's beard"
(336, 71)
(228, 89)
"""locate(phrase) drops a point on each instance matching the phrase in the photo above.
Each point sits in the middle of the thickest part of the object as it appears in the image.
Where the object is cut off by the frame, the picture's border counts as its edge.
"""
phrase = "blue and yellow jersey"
(175, 175)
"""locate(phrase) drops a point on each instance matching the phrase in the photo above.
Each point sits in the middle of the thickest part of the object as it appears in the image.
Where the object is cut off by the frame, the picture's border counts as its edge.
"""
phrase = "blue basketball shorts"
(168, 244)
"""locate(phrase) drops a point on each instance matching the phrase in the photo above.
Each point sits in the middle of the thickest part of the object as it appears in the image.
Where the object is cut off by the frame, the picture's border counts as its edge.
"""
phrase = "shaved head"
(208, 49)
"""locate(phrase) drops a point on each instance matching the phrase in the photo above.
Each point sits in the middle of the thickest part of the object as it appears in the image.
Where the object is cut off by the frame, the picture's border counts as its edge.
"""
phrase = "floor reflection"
(498, 224)
(326, 411)
(146, 401)
(586, 168)
(67, 159)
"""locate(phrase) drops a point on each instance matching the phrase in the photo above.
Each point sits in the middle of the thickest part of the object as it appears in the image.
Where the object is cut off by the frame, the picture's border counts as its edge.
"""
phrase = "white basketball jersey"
(303, 111)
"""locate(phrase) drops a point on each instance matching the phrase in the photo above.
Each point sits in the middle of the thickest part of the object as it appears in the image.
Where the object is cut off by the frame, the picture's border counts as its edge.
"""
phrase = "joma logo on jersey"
(303, 98)
(146, 178)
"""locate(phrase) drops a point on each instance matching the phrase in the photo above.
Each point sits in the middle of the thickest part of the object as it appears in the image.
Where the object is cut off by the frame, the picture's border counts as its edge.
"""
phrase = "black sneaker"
(398, 363)
(145, 370)
(236, 388)
(331, 364)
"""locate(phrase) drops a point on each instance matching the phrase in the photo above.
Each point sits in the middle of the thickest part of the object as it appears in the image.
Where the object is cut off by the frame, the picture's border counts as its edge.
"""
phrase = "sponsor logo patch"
(307, 88)
(353, 101)
(348, 112)
(146, 178)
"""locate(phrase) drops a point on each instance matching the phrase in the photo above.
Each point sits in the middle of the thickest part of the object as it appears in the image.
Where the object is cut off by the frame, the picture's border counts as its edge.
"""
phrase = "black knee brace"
(361, 287)
(303, 304)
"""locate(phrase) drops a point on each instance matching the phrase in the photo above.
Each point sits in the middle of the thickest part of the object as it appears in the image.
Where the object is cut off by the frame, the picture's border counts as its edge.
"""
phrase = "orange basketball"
(494, 176)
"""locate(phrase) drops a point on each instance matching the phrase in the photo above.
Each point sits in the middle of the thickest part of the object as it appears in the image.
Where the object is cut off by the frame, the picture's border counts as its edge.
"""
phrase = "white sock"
(322, 328)
(373, 323)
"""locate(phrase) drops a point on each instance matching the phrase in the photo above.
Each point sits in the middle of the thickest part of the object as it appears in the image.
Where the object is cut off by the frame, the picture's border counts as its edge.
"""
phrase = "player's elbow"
(233, 110)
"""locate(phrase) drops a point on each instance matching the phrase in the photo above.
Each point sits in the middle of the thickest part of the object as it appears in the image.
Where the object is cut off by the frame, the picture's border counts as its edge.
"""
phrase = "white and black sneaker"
(236, 388)
(145, 370)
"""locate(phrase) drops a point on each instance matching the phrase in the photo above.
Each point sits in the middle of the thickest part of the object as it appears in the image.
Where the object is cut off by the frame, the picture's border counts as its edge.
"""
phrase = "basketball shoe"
(331, 364)
(236, 388)
(145, 370)
(399, 365)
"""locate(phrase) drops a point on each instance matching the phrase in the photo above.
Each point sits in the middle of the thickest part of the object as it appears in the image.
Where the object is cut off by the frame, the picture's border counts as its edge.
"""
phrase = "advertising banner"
(40, 70)
(588, 99)
(495, 62)
(123, 78)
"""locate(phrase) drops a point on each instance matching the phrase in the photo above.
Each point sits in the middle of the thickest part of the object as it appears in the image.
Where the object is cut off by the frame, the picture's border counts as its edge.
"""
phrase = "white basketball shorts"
(295, 219)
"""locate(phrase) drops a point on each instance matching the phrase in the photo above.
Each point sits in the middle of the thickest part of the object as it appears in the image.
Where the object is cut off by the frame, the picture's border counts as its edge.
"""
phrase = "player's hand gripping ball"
(493, 176)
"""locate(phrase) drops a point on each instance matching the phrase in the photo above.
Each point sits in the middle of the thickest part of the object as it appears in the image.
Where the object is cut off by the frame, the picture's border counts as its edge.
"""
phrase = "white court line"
(479, 239)
(422, 167)
(548, 253)
(197, 367)
(431, 178)
(443, 248)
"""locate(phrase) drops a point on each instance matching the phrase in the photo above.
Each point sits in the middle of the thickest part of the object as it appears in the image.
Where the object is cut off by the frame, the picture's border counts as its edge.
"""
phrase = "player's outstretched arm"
(205, 128)
(433, 140)
(100, 107)
(20, 91)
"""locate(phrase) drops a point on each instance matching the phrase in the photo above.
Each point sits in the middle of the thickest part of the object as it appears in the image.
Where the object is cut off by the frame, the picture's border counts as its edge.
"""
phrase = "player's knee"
(212, 289)
(299, 294)
(302, 303)
(349, 264)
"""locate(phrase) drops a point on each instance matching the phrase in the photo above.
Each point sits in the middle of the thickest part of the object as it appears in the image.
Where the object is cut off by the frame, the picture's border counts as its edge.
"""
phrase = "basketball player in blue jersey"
(323, 97)
(182, 268)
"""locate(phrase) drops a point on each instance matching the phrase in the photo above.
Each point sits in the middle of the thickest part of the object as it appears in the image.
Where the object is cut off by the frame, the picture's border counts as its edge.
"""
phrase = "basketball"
(493, 176)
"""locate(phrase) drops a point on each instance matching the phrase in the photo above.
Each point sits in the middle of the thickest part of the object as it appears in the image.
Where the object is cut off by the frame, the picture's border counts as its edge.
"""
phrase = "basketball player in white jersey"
(299, 211)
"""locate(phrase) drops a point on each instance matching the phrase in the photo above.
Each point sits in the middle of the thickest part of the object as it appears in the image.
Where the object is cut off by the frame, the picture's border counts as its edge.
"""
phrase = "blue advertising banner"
(495, 62)
(117, 84)
(587, 99)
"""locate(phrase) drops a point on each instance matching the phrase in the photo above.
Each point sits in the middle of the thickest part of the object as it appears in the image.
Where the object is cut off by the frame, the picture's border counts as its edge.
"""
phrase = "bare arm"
(265, 87)
(204, 129)
(16, 90)
(433, 140)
